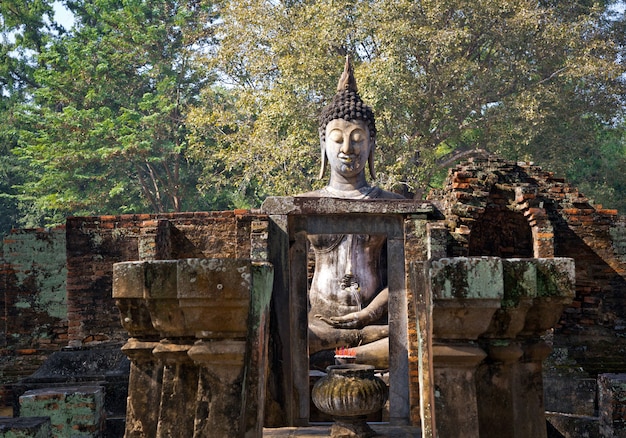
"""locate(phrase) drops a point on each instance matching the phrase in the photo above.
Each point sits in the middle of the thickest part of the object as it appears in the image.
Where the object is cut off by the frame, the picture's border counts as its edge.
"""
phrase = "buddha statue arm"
(356, 320)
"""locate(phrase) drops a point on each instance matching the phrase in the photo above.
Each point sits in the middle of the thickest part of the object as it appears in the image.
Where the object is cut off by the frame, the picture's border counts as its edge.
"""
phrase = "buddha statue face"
(347, 130)
(348, 146)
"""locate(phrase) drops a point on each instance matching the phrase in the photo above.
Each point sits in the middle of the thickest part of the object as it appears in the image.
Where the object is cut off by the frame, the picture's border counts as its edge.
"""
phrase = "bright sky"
(619, 6)
(62, 15)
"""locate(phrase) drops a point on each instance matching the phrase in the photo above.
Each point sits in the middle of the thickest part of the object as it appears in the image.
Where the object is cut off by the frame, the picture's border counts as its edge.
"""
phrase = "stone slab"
(291, 205)
(75, 411)
(467, 278)
(104, 365)
(28, 427)
(570, 394)
(572, 426)
(89, 364)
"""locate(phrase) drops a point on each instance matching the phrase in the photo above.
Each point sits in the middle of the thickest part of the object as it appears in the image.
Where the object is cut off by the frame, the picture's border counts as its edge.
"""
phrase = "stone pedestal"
(489, 316)
(466, 293)
(555, 289)
(199, 367)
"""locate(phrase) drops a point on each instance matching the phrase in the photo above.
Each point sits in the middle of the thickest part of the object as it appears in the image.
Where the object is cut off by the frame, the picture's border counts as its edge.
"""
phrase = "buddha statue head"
(347, 119)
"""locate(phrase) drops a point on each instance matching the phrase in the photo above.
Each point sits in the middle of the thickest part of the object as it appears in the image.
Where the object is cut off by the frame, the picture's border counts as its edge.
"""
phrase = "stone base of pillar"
(455, 390)
(146, 377)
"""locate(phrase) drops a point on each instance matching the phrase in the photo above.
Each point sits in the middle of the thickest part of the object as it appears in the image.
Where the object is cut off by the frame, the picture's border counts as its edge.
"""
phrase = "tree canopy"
(104, 129)
(525, 79)
(156, 105)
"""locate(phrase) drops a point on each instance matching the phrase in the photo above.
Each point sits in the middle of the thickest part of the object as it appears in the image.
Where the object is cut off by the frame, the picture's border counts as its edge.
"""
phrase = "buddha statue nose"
(346, 146)
(349, 146)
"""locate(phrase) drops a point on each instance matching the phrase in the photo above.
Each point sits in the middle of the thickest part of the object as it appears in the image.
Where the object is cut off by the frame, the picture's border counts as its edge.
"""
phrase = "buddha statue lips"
(347, 158)
(349, 162)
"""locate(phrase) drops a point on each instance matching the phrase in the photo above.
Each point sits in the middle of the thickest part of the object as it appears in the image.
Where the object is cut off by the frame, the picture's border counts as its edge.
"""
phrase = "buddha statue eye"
(336, 136)
(357, 136)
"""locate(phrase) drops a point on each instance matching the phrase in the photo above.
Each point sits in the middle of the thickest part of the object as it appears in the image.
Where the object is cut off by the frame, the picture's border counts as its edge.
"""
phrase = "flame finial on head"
(347, 80)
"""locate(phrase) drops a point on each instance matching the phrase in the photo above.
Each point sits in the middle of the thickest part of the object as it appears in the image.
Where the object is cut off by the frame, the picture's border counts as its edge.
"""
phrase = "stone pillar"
(180, 374)
(497, 376)
(220, 400)
(495, 383)
(466, 293)
(530, 416)
(206, 374)
(146, 377)
(455, 395)
(146, 372)
(399, 400)
(418, 282)
(177, 410)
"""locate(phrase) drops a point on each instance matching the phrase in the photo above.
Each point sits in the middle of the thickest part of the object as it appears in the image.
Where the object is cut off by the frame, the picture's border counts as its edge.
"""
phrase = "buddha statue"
(348, 295)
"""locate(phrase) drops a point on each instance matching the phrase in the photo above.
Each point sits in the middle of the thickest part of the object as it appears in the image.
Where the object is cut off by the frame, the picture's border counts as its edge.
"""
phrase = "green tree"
(105, 131)
(25, 28)
(598, 170)
(447, 78)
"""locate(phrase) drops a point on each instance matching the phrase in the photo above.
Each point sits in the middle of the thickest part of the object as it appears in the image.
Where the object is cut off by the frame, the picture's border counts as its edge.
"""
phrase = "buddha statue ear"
(324, 158)
(370, 159)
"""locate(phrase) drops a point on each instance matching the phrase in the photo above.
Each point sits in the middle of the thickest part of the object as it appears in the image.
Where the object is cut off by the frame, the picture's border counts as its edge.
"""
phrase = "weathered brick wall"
(612, 404)
(32, 300)
(492, 206)
(56, 285)
(94, 244)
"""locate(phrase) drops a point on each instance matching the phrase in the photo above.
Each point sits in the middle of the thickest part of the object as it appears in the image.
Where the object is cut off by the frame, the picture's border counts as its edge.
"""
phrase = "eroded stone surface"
(204, 373)
(74, 411)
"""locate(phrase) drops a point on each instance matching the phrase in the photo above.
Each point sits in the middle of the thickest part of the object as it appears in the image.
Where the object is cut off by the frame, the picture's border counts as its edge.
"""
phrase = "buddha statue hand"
(354, 320)
(364, 317)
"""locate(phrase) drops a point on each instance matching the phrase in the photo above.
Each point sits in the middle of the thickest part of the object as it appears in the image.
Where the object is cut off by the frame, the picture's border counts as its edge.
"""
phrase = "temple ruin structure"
(507, 299)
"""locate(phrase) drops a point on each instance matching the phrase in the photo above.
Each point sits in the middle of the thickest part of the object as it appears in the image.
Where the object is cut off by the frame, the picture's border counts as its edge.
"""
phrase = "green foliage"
(162, 105)
(24, 31)
(598, 170)
(446, 78)
(106, 131)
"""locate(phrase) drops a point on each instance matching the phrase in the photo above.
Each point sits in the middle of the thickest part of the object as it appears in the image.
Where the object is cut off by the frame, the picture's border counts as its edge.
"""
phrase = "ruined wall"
(94, 244)
(499, 208)
(32, 300)
(55, 285)
(490, 207)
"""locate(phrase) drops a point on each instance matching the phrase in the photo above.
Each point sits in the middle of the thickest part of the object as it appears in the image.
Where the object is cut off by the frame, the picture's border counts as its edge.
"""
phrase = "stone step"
(26, 427)
(323, 430)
